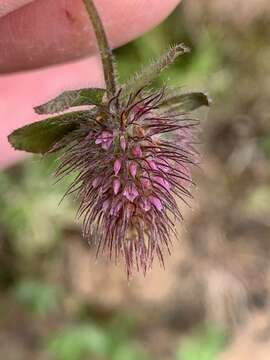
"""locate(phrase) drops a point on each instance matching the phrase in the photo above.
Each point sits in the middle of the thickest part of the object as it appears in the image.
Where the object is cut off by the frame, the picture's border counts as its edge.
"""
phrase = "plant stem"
(104, 48)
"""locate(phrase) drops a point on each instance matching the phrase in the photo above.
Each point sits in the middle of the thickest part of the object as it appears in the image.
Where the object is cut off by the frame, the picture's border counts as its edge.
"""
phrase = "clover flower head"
(130, 173)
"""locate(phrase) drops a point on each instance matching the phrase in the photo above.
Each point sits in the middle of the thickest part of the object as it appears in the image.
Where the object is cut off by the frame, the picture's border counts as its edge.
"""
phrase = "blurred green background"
(212, 301)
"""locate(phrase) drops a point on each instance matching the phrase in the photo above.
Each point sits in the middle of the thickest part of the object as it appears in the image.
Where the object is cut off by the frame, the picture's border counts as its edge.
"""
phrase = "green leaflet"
(150, 72)
(40, 136)
(187, 101)
(71, 98)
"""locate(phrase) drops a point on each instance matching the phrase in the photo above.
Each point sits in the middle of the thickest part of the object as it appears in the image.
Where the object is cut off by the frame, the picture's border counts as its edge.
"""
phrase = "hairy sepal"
(152, 71)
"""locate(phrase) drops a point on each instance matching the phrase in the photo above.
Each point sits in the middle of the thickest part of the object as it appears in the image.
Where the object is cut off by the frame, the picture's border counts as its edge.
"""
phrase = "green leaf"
(187, 102)
(150, 72)
(40, 136)
(71, 98)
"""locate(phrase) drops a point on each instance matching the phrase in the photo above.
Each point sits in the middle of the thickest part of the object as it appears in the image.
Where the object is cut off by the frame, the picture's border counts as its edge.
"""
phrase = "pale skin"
(38, 33)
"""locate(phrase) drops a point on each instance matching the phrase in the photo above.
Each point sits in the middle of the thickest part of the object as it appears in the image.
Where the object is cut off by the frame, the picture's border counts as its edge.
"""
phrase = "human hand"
(37, 33)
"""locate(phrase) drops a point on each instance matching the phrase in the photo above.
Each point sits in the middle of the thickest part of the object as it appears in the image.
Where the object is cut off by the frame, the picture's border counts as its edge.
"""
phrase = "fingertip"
(47, 32)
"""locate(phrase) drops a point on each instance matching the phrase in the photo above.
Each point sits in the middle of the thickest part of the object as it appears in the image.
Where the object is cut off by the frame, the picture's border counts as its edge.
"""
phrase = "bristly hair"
(132, 151)
(129, 173)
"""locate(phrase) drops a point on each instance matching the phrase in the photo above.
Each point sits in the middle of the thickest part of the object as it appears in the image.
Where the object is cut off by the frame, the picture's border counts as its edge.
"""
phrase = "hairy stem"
(150, 72)
(104, 48)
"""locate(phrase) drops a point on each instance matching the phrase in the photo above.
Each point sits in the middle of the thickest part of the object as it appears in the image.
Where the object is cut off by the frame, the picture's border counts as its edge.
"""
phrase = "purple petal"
(131, 192)
(146, 183)
(137, 151)
(123, 143)
(106, 135)
(116, 186)
(117, 166)
(163, 182)
(145, 205)
(98, 141)
(156, 202)
(152, 165)
(116, 207)
(163, 165)
(106, 205)
(96, 182)
(105, 139)
(133, 169)
(106, 144)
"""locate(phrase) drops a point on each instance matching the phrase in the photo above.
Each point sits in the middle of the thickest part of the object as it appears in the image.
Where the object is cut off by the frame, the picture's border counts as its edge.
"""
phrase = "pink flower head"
(128, 192)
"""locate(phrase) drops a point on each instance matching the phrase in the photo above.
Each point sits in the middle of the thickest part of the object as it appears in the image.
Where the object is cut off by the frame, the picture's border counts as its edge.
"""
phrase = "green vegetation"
(205, 345)
(36, 297)
(81, 340)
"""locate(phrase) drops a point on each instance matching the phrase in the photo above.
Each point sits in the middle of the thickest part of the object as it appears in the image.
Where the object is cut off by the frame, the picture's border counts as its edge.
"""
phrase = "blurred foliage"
(36, 297)
(78, 341)
(29, 200)
(259, 200)
(205, 345)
